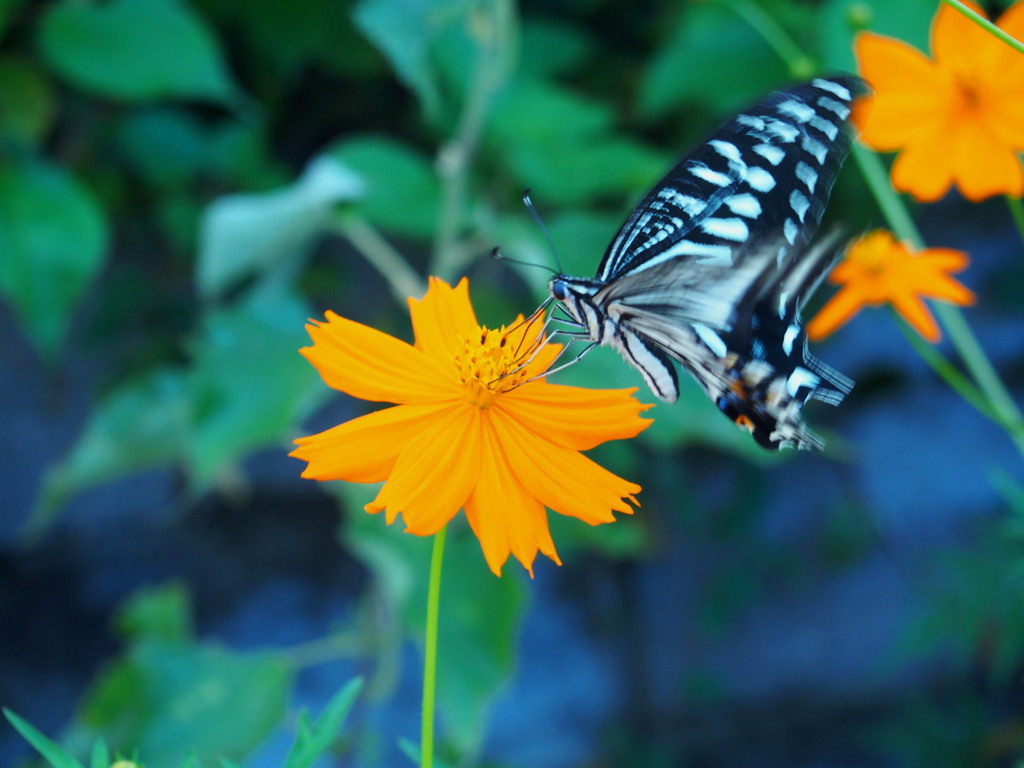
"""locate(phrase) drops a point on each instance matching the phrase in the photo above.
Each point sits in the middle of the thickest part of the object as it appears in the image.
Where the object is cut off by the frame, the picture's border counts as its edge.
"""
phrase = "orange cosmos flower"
(957, 118)
(473, 429)
(877, 269)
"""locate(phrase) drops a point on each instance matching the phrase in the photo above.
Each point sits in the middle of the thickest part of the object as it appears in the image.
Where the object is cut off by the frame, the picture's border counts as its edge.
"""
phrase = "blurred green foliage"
(183, 183)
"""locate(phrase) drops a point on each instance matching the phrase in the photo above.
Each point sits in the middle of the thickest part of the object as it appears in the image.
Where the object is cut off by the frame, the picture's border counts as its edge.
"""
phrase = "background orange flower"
(878, 269)
(957, 118)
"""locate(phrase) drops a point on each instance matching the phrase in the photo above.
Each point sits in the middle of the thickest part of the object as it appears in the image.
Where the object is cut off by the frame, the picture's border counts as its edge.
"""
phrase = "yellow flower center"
(872, 252)
(969, 86)
(489, 365)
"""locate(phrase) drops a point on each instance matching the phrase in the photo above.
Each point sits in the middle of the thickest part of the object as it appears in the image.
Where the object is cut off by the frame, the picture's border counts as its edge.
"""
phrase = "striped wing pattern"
(712, 267)
(769, 169)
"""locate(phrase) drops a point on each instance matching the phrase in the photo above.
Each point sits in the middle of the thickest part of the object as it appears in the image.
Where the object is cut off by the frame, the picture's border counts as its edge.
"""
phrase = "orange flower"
(474, 429)
(877, 269)
(957, 118)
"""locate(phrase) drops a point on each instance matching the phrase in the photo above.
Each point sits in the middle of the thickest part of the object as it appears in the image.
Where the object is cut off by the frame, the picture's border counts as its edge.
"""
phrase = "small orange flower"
(877, 270)
(474, 427)
(957, 118)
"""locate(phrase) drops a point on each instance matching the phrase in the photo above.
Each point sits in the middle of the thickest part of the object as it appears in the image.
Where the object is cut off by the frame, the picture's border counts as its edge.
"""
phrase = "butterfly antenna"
(497, 255)
(543, 228)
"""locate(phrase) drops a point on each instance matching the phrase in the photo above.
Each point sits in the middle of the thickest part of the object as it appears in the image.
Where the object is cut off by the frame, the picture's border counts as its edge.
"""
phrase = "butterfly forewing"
(769, 169)
(712, 267)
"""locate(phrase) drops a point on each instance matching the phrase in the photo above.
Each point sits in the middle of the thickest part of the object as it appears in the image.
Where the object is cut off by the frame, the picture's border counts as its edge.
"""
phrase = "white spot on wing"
(701, 171)
(760, 180)
(827, 127)
(728, 229)
(690, 248)
(815, 148)
(827, 85)
(744, 205)
(799, 203)
(787, 340)
(770, 152)
(839, 109)
(727, 150)
(800, 377)
(807, 175)
(795, 109)
(688, 205)
(712, 339)
(790, 230)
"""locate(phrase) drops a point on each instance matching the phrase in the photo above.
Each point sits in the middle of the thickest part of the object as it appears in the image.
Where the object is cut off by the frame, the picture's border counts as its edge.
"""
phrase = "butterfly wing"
(770, 169)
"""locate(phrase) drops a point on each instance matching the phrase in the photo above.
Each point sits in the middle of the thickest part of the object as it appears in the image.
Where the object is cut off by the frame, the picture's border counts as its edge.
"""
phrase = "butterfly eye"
(559, 290)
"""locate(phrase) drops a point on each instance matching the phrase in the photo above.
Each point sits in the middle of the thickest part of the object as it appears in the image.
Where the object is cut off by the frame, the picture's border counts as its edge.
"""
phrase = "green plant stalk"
(990, 387)
(430, 652)
(454, 158)
(401, 278)
(1017, 212)
(985, 24)
(799, 64)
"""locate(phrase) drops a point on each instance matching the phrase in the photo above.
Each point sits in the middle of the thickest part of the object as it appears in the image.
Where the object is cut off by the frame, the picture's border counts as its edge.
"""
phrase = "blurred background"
(184, 182)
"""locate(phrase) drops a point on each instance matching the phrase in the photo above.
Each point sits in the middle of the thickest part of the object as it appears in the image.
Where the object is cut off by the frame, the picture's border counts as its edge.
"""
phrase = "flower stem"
(430, 652)
(1017, 212)
(985, 24)
(401, 278)
(990, 387)
(799, 64)
(492, 27)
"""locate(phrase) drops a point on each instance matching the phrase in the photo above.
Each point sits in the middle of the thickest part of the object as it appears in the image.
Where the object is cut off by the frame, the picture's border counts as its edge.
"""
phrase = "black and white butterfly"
(713, 266)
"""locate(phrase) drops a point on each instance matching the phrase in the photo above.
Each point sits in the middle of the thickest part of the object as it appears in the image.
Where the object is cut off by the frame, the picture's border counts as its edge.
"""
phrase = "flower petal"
(574, 417)
(443, 318)
(562, 479)
(836, 313)
(371, 365)
(434, 473)
(504, 517)
(925, 169)
(914, 311)
(960, 45)
(982, 165)
(364, 450)
(1008, 61)
(911, 94)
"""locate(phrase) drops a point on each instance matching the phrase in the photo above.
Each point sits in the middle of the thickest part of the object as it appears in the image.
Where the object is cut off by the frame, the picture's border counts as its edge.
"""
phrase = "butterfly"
(714, 265)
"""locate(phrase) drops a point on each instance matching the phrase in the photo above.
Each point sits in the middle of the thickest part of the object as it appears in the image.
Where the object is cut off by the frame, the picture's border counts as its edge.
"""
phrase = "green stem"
(430, 653)
(401, 278)
(492, 31)
(1017, 212)
(989, 387)
(799, 64)
(985, 24)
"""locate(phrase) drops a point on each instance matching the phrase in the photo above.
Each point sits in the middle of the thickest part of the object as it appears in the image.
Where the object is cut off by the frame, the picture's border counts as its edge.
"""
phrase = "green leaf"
(53, 238)
(100, 756)
(167, 700)
(479, 620)
(162, 613)
(51, 751)
(714, 57)
(140, 425)
(7, 9)
(249, 383)
(404, 31)
(136, 50)
(26, 101)
(313, 742)
(245, 233)
(401, 193)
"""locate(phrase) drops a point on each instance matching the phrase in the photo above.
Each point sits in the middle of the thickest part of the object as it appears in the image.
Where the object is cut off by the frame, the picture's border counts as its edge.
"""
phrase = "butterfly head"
(575, 298)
